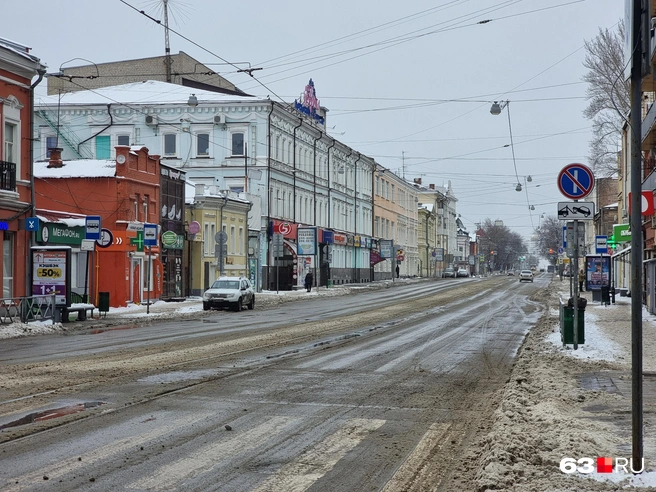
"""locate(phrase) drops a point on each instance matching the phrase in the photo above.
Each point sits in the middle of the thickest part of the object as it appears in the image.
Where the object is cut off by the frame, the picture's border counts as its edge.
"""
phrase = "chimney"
(55, 157)
(431, 186)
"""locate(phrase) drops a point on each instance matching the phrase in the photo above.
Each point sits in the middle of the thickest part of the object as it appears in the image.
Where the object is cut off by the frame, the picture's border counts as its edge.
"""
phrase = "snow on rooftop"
(82, 168)
(147, 92)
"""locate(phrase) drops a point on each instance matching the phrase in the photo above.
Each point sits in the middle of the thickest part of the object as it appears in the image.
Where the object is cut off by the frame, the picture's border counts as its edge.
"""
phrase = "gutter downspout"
(111, 122)
(330, 205)
(314, 178)
(346, 208)
(30, 237)
(294, 170)
(355, 216)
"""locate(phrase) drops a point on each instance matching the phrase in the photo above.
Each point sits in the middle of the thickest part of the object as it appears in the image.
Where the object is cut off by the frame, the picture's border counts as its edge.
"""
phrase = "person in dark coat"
(309, 278)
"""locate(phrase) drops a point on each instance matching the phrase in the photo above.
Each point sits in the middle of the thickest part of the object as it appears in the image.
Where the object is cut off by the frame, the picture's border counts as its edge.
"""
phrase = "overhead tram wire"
(203, 48)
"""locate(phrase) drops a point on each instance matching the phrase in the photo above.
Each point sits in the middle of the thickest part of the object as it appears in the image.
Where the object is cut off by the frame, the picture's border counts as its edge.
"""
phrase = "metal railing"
(26, 309)
(7, 176)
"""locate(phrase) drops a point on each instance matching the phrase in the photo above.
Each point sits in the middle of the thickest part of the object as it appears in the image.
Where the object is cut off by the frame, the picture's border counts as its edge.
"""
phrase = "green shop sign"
(52, 233)
(622, 233)
(171, 240)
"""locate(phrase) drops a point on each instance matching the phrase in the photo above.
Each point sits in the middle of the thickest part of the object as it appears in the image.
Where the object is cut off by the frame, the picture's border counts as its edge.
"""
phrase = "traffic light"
(611, 242)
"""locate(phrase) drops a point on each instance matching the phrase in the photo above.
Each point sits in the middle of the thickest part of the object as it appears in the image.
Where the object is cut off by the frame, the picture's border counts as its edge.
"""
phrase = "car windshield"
(448, 269)
(226, 284)
(527, 272)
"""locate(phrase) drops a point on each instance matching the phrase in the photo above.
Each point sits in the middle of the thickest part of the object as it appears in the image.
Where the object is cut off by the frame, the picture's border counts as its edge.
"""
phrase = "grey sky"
(426, 98)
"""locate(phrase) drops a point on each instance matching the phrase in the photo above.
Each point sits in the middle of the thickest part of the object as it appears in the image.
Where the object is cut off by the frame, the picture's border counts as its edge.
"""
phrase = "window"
(7, 265)
(11, 141)
(241, 240)
(237, 144)
(233, 240)
(210, 232)
(145, 208)
(103, 147)
(170, 144)
(123, 140)
(51, 143)
(203, 144)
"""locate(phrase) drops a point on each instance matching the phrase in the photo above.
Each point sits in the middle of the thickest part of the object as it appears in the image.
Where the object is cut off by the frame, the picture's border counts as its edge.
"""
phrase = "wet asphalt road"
(365, 401)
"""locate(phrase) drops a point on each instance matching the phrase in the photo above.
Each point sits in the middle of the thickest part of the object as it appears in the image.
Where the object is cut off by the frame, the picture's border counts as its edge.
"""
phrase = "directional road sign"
(575, 181)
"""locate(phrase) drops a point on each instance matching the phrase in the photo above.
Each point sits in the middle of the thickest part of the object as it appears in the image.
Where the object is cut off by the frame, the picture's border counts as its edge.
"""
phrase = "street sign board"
(32, 224)
(570, 238)
(601, 244)
(150, 235)
(277, 245)
(221, 237)
(576, 210)
(106, 238)
(575, 181)
(92, 227)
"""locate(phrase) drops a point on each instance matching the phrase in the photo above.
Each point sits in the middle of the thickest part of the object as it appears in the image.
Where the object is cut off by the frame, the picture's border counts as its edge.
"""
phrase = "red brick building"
(126, 194)
(17, 69)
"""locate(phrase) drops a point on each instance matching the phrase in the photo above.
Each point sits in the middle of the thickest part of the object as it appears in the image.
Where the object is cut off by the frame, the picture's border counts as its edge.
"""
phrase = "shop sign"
(62, 234)
(340, 239)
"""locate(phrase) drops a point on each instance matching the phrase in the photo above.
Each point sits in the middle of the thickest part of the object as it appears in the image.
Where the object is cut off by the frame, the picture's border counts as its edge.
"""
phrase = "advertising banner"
(307, 240)
(597, 272)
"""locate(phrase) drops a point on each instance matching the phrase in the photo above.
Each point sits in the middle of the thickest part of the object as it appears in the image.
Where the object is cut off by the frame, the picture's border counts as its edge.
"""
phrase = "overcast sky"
(408, 83)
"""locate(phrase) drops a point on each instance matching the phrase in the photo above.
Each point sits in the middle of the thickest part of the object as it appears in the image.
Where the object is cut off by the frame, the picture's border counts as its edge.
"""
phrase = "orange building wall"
(112, 198)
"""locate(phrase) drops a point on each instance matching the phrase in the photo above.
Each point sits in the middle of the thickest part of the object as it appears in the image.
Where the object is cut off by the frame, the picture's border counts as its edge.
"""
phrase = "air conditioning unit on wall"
(219, 119)
(151, 120)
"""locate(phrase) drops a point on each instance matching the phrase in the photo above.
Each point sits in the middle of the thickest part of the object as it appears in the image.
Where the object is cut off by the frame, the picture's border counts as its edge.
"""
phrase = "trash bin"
(605, 294)
(103, 302)
(330, 282)
(567, 325)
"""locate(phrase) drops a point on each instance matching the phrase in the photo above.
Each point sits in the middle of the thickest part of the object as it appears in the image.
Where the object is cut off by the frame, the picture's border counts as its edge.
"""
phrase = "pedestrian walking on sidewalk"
(309, 278)
(581, 280)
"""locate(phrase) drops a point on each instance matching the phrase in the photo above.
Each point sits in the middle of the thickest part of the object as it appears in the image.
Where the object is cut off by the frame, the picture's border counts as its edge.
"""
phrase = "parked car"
(232, 292)
(526, 275)
(462, 272)
(448, 272)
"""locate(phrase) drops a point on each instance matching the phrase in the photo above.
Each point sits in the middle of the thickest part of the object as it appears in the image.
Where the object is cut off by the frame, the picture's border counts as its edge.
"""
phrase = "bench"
(80, 308)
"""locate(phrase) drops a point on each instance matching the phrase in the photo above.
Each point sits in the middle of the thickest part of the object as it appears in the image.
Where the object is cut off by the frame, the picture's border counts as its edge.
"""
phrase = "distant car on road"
(448, 272)
(232, 292)
(462, 272)
(526, 275)
(511, 273)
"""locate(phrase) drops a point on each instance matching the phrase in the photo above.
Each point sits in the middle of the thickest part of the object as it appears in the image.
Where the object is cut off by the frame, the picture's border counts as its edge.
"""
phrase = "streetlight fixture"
(495, 109)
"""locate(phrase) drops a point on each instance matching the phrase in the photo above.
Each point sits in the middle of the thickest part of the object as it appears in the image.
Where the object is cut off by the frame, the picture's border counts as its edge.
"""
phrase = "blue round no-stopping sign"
(575, 181)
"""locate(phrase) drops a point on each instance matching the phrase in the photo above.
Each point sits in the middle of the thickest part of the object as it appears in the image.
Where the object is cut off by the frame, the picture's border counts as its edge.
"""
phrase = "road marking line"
(417, 467)
(171, 476)
(98, 455)
(310, 466)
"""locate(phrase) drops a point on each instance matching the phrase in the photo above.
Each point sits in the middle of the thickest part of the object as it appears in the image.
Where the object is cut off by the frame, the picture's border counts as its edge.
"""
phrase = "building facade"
(17, 69)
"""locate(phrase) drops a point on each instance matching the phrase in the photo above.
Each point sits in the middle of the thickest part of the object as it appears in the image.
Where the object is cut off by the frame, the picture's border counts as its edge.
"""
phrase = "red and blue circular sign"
(575, 181)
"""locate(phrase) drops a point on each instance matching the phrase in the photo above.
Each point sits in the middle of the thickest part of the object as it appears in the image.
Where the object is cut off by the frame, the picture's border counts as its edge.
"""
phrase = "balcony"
(7, 176)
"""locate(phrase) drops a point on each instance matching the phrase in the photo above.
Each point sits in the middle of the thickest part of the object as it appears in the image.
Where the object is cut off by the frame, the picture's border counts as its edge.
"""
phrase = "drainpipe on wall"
(330, 205)
(355, 216)
(30, 237)
(294, 170)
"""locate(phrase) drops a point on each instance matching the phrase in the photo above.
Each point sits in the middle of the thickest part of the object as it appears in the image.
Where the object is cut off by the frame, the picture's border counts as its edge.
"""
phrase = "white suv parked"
(233, 292)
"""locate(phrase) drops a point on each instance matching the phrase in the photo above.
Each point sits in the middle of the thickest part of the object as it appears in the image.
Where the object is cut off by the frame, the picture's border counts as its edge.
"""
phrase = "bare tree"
(609, 98)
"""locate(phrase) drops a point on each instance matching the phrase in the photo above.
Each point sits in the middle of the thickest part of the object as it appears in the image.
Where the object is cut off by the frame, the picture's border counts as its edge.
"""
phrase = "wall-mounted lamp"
(518, 187)
(193, 101)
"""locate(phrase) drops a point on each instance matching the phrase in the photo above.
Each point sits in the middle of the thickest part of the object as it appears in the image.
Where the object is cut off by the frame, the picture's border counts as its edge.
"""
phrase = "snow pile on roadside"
(18, 329)
(542, 418)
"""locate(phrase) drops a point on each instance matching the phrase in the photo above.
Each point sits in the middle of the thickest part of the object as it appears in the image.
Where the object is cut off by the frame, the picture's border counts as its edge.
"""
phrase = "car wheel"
(206, 306)
(251, 305)
(238, 305)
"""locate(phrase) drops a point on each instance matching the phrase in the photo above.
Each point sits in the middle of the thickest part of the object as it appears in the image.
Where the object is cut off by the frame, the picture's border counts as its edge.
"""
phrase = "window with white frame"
(237, 138)
(123, 140)
(170, 144)
(11, 146)
(241, 241)
(203, 144)
(8, 265)
(233, 240)
(209, 233)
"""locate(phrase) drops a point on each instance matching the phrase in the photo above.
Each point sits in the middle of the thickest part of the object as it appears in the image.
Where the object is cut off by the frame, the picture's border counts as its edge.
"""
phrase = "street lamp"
(496, 110)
